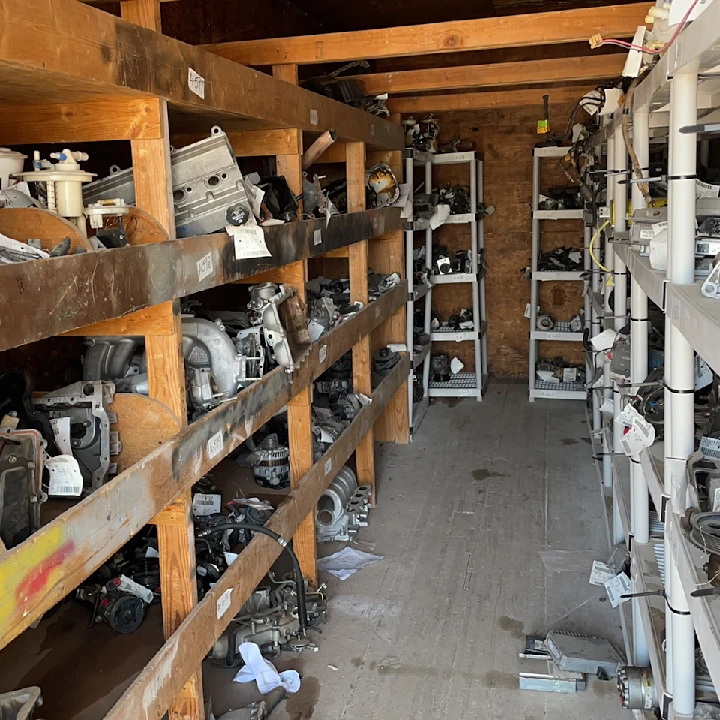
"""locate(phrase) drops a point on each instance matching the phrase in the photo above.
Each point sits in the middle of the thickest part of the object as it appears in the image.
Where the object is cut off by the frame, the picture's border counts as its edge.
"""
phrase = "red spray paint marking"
(36, 580)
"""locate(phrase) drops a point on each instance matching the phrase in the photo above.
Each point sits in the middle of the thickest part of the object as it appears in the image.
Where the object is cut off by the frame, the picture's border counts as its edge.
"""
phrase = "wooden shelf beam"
(538, 72)
(46, 297)
(185, 650)
(42, 570)
(562, 26)
(80, 53)
(485, 100)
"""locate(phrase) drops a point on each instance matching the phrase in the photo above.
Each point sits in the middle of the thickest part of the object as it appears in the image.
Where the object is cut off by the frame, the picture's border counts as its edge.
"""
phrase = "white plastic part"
(11, 163)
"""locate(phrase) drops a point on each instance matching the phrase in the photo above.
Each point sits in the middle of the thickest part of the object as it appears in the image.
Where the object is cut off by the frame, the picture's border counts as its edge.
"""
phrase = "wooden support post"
(300, 407)
(386, 254)
(166, 378)
(358, 260)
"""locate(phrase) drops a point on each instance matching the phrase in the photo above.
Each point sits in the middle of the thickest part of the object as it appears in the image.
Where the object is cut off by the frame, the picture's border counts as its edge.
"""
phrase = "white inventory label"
(249, 241)
(323, 353)
(705, 190)
(223, 603)
(215, 444)
(617, 587)
(205, 504)
(205, 267)
(710, 447)
(317, 237)
(65, 478)
(196, 83)
(313, 117)
(659, 227)
(601, 573)
(328, 466)
(647, 234)
(377, 312)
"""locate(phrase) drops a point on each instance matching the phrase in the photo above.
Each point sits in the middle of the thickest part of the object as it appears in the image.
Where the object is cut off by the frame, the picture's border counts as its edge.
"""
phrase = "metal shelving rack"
(663, 558)
(561, 331)
(467, 384)
(421, 292)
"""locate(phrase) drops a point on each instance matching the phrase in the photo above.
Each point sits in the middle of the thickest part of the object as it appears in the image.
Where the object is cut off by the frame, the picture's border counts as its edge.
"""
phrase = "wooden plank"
(386, 254)
(48, 297)
(358, 264)
(165, 365)
(485, 100)
(538, 72)
(47, 227)
(251, 143)
(549, 28)
(42, 570)
(107, 118)
(109, 55)
(166, 672)
(145, 13)
(155, 320)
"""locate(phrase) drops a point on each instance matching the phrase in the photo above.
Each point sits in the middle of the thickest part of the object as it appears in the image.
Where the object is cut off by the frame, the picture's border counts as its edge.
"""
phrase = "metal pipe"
(680, 374)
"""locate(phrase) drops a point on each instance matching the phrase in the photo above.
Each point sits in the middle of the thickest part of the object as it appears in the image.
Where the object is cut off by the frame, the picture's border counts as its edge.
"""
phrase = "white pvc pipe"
(680, 375)
(608, 258)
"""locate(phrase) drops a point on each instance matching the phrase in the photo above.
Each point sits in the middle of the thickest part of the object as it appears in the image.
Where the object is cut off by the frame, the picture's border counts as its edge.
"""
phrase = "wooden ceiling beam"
(484, 100)
(549, 28)
(593, 67)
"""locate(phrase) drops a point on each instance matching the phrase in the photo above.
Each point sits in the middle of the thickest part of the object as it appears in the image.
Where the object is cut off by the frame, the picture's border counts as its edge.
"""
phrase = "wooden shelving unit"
(89, 76)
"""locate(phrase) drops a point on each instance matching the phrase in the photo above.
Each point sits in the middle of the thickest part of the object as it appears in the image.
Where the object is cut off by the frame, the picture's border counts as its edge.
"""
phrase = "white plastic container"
(11, 163)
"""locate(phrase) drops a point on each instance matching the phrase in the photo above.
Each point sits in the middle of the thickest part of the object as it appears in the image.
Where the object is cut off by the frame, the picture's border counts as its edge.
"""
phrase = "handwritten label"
(223, 603)
(323, 353)
(317, 237)
(205, 267)
(328, 466)
(196, 83)
(377, 312)
(215, 444)
(313, 117)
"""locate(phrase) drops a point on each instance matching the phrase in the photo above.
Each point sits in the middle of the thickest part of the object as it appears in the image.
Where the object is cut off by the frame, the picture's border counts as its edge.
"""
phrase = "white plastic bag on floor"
(348, 561)
(263, 672)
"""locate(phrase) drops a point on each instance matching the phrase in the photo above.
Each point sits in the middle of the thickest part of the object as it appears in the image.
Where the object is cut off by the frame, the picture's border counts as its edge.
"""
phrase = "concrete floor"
(488, 523)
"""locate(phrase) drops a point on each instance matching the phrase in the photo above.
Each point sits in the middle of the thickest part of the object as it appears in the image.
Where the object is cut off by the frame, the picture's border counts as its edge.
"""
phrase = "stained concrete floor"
(488, 523)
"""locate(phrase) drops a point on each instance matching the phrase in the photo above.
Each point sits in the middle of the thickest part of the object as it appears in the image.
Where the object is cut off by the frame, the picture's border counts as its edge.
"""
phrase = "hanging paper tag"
(641, 433)
(617, 587)
(249, 241)
(65, 477)
(601, 573)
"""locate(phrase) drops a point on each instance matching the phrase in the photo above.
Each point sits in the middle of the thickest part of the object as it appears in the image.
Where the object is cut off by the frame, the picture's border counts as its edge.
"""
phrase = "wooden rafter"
(539, 72)
(484, 100)
(549, 28)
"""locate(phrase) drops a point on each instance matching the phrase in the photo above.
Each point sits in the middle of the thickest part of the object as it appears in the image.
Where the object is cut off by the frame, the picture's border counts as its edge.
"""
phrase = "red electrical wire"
(630, 46)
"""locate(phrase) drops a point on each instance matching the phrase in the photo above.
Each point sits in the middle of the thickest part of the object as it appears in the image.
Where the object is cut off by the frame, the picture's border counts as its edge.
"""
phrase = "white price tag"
(710, 447)
(249, 241)
(328, 466)
(527, 310)
(205, 504)
(61, 431)
(647, 234)
(65, 476)
(223, 603)
(377, 312)
(601, 573)
(322, 355)
(705, 190)
(641, 433)
(617, 587)
(205, 267)
(317, 237)
(659, 227)
(215, 444)
(313, 117)
(196, 83)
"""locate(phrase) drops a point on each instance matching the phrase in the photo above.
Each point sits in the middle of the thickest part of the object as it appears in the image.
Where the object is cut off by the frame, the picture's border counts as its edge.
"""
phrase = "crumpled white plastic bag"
(263, 672)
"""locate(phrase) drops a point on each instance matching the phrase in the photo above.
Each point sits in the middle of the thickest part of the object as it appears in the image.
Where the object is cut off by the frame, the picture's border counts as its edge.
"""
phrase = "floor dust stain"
(301, 705)
(357, 662)
(586, 440)
(513, 626)
(604, 689)
(483, 474)
(569, 441)
(495, 679)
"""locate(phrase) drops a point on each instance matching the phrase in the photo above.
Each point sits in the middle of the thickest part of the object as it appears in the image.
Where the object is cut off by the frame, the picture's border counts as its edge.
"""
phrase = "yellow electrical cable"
(592, 242)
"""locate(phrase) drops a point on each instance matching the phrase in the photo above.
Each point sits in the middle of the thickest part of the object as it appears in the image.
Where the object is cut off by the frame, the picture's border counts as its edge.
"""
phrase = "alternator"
(271, 463)
(636, 688)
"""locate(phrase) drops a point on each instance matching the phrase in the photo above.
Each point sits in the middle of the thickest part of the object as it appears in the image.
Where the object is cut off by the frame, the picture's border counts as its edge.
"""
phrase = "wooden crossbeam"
(542, 72)
(549, 28)
(485, 100)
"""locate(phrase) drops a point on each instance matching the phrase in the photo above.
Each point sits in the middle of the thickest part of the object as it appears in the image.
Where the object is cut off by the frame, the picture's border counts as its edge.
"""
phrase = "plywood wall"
(506, 137)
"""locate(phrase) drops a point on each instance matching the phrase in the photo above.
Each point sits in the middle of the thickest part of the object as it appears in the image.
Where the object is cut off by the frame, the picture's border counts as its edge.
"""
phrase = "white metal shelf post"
(620, 193)
(421, 361)
(680, 368)
(561, 331)
(608, 256)
(466, 384)
(640, 496)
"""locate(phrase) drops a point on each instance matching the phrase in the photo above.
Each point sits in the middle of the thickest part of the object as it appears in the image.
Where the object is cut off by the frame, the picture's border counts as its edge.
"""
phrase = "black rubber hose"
(297, 572)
